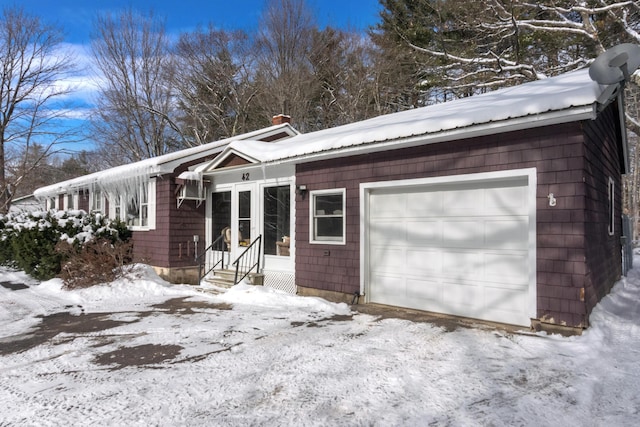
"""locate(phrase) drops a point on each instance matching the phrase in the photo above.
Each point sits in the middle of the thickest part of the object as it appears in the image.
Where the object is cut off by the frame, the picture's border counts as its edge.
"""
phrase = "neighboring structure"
(25, 204)
(504, 207)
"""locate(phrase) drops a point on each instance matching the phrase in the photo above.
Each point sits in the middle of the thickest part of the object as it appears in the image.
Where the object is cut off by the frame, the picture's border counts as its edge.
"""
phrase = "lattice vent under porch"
(280, 280)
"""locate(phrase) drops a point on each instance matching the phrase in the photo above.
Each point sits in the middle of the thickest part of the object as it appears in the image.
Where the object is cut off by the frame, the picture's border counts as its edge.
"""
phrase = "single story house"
(504, 207)
(25, 204)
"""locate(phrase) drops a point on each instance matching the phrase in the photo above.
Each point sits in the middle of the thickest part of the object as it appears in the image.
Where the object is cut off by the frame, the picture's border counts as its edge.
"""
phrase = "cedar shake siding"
(171, 244)
(604, 258)
(577, 260)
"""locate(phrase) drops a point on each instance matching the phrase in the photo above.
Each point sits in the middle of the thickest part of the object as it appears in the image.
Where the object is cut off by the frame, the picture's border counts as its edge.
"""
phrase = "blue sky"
(75, 17)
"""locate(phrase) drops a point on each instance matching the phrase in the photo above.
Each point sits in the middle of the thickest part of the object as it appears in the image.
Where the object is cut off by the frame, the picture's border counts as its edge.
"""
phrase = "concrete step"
(220, 282)
(225, 278)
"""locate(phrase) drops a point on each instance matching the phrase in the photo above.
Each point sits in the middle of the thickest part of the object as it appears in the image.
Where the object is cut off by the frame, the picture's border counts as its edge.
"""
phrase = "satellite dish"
(616, 64)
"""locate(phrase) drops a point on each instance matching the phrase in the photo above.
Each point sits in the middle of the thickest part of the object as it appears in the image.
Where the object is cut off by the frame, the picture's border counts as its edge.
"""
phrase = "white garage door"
(455, 248)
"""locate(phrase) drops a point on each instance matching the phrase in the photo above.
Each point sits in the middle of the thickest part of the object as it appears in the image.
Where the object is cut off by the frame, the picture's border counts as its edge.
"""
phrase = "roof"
(159, 165)
(568, 97)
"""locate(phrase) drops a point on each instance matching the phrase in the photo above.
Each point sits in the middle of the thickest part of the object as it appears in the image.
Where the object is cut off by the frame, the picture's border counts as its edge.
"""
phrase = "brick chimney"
(280, 119)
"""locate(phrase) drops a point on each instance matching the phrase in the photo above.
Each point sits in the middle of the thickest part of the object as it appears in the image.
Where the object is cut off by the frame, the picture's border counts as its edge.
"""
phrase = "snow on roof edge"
(163, 164)
(548, 97)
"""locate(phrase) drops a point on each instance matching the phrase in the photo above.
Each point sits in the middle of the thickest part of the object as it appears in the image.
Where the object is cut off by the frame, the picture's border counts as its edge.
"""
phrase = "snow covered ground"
(256, 356)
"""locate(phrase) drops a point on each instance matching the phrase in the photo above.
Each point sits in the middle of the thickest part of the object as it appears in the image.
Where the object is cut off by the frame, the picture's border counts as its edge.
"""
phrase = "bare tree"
(132, 117)
(214, 84)
(474, 46)
(32, 68)
(347, 78)
(283, 46)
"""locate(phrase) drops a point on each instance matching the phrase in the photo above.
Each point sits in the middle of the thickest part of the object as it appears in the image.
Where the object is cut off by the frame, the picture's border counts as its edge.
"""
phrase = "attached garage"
(461, 245)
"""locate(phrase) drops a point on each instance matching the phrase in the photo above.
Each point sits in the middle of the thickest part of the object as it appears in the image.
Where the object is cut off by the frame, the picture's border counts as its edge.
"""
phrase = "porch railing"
(206, 264)
(248, 260)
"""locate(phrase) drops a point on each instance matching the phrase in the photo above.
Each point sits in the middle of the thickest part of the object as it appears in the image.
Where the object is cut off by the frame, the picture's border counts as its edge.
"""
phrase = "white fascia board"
(587, 112)
(160, 165)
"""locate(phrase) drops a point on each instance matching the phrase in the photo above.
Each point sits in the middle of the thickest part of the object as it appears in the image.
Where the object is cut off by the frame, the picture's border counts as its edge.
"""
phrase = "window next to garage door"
(327, 223)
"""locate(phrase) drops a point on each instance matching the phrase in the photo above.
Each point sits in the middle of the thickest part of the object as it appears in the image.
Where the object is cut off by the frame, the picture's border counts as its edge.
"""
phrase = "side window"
(140, 207)
(327, 221)
(96, 201)
(69, 202)
(612, 207)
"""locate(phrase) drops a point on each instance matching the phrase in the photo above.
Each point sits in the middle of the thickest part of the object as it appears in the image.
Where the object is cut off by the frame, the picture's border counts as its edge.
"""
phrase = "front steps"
(224, 278)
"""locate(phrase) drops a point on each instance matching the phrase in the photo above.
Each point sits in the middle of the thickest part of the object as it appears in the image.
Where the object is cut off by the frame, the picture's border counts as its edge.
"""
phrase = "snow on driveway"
(143, 352)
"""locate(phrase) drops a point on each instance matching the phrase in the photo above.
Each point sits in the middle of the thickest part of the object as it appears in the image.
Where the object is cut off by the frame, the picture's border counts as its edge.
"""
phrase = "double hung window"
(327, 220)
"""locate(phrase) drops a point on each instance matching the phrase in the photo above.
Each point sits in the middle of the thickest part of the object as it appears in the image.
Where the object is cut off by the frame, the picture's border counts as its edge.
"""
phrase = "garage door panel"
(424, 293)
(462, 234)
(386, 258)
(389, 289)
(506, 200)
(455, 248)
(462, 202)
(506, 268)
(461, 265)
(423, 233)
(388, 231)
(424, 204)
(503, 305)
(507, 233)
(423, 262)
(386, 205)
(461, 297)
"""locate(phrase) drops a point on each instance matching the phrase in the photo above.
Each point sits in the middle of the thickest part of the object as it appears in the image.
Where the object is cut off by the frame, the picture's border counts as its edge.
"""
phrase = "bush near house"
(42, 243)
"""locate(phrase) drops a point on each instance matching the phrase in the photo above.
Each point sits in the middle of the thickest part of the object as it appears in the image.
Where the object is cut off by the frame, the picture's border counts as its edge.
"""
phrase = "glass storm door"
(243, 218)
(221, 217)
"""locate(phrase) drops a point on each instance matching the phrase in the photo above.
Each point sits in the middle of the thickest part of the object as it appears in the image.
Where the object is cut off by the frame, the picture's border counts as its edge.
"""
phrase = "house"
(166, 220)
(25, 204)
(504, 207)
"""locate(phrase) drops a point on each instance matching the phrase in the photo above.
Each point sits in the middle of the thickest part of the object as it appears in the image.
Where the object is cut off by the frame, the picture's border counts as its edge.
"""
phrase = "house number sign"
(245, 176)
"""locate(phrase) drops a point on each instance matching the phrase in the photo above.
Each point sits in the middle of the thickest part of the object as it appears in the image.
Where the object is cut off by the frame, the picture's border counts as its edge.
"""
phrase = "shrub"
(30, 240)
(98, 261)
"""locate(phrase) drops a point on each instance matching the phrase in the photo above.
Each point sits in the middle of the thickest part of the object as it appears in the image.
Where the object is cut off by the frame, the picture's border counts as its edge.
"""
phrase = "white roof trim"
(156, 165)
(568, 97)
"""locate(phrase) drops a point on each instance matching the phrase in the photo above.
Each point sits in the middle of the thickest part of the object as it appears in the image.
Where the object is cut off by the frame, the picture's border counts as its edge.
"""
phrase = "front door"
(232, 214)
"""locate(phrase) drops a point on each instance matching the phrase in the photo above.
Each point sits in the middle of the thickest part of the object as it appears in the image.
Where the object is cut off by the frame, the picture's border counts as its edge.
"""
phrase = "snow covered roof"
(568, 97)
(130, 174)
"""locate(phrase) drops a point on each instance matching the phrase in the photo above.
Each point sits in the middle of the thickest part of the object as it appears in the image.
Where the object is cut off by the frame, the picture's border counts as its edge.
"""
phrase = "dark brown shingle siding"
(569, 164)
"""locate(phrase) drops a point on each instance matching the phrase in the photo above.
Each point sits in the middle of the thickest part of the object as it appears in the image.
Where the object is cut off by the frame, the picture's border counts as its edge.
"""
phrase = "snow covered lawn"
(256, 356)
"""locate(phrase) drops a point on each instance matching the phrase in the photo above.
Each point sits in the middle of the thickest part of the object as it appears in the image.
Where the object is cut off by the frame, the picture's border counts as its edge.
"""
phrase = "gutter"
(574, 114)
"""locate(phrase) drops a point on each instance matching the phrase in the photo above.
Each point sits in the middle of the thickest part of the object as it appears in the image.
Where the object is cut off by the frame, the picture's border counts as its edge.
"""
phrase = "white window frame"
(74, 201)
(96, 201)
(611, 223)
(312, 216)
(121, 201)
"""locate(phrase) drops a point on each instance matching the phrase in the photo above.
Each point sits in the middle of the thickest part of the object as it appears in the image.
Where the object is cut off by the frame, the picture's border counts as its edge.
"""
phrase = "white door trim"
(529, 173)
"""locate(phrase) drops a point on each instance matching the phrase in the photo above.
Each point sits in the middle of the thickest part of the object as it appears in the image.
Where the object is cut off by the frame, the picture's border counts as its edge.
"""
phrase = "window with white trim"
(327, 220)
(115, 203)
(96, 201)
(69, 202)
(136, 209)
(611, 207)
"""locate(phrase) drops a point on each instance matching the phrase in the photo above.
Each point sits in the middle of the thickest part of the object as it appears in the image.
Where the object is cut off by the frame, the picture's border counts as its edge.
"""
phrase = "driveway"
(142, 352)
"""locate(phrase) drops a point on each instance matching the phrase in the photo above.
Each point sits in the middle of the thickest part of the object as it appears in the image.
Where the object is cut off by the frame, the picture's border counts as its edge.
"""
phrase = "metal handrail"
(218, 245)
(249, 259)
